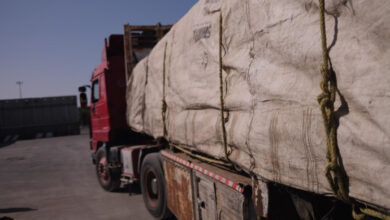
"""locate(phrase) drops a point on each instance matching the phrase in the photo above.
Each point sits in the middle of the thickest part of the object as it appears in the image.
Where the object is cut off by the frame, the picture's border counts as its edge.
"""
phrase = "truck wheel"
(153, 186)
(109, 179)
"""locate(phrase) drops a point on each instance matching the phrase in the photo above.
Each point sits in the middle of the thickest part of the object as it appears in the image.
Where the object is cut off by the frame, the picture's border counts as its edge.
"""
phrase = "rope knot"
(334, 170)
(164, 106)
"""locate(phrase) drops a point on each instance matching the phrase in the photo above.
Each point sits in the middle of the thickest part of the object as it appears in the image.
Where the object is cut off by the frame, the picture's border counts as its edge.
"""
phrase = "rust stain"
(178, 187)
(257, 199)
(311, 164)
(274, 142)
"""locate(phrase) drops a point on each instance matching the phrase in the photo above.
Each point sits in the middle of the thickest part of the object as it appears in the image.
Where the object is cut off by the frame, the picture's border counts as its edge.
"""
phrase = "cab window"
(95, 91)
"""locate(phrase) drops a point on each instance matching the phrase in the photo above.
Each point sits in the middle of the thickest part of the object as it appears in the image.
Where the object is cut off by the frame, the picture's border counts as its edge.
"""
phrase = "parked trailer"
(39, 117)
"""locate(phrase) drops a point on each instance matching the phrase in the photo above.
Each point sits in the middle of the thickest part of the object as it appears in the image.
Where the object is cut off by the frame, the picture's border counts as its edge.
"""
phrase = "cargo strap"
(222, 110)
(334, 170)
(200, 157)
(371, 212)
(164, 103)
(164, 110)
(222, 107)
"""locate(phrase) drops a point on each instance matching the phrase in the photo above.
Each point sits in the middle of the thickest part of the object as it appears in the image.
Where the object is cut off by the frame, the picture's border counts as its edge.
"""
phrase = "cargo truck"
(172, 182)
(182, 181)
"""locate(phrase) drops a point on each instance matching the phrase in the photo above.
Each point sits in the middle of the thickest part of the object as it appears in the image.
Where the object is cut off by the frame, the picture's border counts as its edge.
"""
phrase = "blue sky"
(53, 46)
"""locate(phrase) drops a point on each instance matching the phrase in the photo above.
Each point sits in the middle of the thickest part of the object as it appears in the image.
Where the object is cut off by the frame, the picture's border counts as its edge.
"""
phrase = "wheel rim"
(151, 186)
(103, 170)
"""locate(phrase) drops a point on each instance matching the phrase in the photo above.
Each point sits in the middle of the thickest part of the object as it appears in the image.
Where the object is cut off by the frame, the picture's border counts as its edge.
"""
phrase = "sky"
(52, 46)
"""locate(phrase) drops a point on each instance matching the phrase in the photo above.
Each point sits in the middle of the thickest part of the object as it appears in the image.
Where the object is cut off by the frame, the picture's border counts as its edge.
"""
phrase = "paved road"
(53, 178)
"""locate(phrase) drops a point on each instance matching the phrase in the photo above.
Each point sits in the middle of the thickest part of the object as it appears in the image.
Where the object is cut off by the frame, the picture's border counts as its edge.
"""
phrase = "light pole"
(20, 88)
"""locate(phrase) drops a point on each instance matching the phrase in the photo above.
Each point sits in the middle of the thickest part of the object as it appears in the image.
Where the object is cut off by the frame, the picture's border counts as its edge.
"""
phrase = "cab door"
(99, 112)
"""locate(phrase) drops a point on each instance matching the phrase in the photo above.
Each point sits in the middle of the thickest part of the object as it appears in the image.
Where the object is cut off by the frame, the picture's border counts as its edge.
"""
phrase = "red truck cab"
(121, 52)
(108, 104)
(113, 143)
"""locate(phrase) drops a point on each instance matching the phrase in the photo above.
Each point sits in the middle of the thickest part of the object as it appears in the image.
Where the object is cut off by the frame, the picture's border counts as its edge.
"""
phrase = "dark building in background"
(38, 117)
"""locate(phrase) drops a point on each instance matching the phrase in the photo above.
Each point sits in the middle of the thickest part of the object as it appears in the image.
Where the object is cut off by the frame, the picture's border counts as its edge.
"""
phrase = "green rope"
(334, 171)
(164, 104)
(222, 108)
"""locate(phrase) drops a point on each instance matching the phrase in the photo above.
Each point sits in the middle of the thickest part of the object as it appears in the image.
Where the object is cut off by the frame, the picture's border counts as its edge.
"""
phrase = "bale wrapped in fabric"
(271, 54)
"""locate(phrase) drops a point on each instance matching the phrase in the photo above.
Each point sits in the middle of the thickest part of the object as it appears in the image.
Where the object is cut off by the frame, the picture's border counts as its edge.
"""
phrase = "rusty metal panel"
(223, 194)
(179, 190)
(206, 198)
(260, 198)
(127, 50)
(218, 201)
(230, 203)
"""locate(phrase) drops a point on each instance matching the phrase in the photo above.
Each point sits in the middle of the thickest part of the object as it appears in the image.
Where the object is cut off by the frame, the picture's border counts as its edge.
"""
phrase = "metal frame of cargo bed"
(159, 32)
(217, 192)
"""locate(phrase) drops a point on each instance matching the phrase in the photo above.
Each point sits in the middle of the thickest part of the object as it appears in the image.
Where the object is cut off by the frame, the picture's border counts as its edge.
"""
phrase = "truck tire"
(153, 186)
(109, 179)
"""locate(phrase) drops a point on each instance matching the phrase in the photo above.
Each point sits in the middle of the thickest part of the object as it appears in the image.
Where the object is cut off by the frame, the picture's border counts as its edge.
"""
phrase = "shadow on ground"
(12, 210)
(131, 189)
(5, 144)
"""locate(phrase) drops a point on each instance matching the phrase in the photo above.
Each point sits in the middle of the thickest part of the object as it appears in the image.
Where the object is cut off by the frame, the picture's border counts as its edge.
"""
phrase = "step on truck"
(176, 182)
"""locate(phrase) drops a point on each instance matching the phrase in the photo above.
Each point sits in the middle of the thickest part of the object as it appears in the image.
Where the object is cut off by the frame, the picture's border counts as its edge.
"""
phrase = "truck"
(181, 182)
(172, 183)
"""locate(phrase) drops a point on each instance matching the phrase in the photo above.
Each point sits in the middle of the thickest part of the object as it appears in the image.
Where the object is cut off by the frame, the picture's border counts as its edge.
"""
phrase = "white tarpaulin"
(271, 60)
